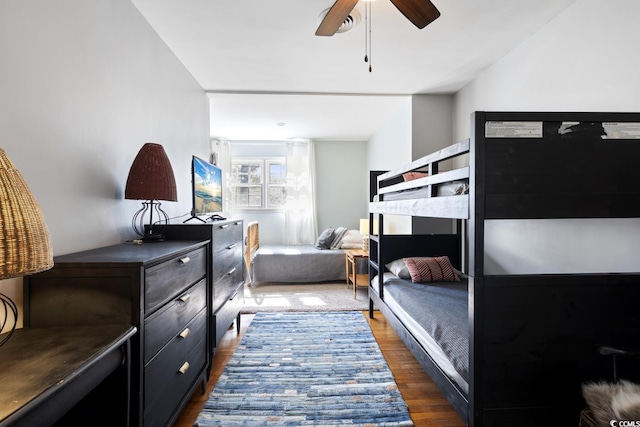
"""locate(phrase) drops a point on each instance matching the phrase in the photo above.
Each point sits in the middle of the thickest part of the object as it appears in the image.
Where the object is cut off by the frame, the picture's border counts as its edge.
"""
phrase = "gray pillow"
(337, 237)
(399, 268)
(325, 238)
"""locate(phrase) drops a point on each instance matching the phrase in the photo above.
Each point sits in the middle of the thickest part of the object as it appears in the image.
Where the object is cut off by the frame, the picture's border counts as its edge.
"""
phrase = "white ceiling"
(262, 64)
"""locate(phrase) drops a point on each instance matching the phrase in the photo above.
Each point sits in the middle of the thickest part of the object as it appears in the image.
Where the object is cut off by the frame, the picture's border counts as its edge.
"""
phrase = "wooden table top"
(37, 362)
(357, 252)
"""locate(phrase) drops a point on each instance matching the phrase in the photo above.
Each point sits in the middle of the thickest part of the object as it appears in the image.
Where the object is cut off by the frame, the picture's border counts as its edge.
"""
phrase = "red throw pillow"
(410, 176)
(438, 269)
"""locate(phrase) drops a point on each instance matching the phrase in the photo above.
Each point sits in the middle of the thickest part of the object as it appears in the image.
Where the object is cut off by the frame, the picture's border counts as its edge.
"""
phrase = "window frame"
(265, 185)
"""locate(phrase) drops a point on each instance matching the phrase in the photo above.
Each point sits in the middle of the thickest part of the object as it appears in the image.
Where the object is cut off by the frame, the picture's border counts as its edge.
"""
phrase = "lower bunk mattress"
(437, 315)
(297, 264)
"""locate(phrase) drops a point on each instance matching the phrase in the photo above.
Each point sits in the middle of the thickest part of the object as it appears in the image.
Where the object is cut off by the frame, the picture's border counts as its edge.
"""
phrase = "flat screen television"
(206, 186)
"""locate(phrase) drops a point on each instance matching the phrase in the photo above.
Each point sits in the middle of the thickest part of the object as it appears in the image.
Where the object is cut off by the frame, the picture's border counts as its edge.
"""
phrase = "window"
(258, 183)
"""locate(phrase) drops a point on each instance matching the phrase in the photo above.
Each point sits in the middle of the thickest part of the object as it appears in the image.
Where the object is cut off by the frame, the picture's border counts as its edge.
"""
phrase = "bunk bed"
(546, 246)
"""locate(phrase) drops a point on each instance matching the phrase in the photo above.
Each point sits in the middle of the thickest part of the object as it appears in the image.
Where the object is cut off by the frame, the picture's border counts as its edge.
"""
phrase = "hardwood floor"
(427, 406)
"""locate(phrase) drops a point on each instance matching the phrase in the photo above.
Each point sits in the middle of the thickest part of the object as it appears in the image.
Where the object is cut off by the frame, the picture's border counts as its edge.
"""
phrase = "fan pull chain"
(366, 39)
(370, 20)
(367, 34)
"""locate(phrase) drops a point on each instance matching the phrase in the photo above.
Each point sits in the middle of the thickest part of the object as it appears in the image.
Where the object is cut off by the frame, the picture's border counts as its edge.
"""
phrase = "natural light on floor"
(304, 297)
(269, 301)
(314, 301)
(279, 300)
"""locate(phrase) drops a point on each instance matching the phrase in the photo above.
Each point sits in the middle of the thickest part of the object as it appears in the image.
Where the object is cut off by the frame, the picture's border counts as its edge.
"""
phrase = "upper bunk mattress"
(455, 188)
(297, 263)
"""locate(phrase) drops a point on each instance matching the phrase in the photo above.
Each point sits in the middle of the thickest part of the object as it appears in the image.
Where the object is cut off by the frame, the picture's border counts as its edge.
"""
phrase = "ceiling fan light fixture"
(420, 12)
(342, 17)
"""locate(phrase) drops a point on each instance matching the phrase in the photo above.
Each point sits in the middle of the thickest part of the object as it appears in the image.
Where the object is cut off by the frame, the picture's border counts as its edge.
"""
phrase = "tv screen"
(206, 181)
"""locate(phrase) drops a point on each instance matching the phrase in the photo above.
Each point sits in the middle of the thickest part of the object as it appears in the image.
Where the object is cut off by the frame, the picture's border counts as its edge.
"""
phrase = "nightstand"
(351, 258)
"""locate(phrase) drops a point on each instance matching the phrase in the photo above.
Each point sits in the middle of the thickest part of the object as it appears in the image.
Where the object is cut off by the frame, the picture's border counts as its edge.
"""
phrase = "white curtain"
(300, 225)
(221, 156)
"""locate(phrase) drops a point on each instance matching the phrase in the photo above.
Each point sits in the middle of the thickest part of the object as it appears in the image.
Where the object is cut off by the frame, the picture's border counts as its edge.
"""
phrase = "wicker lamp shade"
(151, 176)
(25, 245)
(150, 179)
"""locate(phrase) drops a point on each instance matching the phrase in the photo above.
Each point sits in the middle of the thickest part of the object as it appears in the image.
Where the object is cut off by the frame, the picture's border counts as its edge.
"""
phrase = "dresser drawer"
(226, 284)
(172, 318)
(164, 281)
(226, 235)
(164, 384)
(225, 261)
(227, 314)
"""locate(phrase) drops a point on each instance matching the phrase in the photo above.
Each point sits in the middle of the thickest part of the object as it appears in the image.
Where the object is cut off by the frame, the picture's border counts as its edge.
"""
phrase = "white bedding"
(454, 188)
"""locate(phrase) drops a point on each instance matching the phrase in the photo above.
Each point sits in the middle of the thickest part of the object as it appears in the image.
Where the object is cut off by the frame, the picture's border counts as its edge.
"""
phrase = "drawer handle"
(223, 226)
(231, 271)
(232, 246)
(185, 333)
(184, 368)
(185, 298)
(185, 260)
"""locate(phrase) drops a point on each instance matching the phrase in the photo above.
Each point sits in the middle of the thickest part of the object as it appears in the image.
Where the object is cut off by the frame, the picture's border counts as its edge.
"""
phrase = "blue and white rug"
(306, 369)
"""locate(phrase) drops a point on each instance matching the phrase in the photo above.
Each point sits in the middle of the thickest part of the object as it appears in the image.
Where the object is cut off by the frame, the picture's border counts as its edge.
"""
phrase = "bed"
(436, 314)
(292, 263)
(530, 316)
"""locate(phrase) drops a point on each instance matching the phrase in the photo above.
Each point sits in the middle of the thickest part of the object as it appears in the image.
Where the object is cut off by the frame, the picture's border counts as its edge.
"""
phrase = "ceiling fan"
(419, 12)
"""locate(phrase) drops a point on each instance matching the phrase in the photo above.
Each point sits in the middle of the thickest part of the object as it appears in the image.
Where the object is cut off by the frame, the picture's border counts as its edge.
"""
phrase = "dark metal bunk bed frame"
(533, 337)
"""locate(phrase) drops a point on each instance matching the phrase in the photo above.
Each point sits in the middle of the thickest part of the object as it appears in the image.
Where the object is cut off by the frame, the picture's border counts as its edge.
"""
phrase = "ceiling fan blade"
(420, 12)
(335, 17)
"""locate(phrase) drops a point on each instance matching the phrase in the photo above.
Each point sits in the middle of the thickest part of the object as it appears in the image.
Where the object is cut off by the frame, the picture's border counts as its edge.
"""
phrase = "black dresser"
(162, 290)
(226, 269)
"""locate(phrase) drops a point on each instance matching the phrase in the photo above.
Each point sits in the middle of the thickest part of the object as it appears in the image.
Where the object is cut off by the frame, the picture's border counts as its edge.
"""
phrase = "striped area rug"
(306, 369)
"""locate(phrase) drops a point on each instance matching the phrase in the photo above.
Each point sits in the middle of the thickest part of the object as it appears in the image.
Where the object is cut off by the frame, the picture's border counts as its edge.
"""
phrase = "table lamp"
(150, 179)
(364, 230)
(25, 244)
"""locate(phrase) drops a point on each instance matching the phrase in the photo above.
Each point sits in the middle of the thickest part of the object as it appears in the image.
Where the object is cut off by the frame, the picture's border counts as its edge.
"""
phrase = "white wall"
(422, 125)
(431, 124)
(390, 148)
(562, 246)
(342, 183)
(84, 85)
(432, 129)
(391, 145)
(584, 60)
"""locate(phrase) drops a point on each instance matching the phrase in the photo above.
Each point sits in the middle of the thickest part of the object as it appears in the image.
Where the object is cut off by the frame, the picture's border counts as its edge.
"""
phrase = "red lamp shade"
(151, 176)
